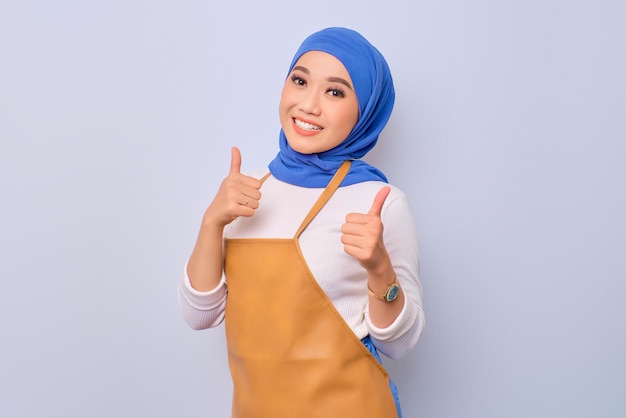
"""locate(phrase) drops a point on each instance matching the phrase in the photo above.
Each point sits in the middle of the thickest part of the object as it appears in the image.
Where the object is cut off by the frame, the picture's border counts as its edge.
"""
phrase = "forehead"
(322, 63)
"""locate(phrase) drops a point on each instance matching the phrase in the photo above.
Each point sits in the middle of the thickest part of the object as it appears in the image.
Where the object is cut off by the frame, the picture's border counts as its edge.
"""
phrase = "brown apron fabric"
(290, 352)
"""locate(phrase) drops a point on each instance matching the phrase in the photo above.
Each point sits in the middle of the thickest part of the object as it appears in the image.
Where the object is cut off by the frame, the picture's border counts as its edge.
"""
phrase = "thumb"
(235, 160)
(379, 200)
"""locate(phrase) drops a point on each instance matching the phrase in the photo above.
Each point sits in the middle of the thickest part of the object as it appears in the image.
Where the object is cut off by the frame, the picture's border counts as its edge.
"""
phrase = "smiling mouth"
(307, 126)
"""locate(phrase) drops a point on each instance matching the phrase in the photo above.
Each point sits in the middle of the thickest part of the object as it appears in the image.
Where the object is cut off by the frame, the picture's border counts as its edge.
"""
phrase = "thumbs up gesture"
(362, 234)
(238, 195)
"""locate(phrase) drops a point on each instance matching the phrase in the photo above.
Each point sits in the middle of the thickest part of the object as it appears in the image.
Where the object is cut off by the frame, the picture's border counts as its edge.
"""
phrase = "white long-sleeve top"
(281, 210)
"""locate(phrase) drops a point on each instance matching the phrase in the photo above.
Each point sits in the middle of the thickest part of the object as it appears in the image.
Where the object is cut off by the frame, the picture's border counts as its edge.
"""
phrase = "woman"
(297, 261)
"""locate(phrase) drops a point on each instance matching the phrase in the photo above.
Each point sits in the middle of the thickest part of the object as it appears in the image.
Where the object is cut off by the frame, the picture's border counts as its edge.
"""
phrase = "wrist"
(390, 294)
(212, 222)
(380, 277)
(379, 281)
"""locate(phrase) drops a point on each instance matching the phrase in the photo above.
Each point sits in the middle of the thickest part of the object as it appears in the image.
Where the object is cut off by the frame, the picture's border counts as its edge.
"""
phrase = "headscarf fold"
(373, 84)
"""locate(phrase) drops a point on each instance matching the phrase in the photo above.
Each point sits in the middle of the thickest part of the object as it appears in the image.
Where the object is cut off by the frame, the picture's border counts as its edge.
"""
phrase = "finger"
(352, 229)
(352, 240)
(235, 160)
(248, 201)
(379, 201)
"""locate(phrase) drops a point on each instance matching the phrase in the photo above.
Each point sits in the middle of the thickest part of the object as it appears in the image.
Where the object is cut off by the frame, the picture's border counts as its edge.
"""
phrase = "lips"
(306, 128)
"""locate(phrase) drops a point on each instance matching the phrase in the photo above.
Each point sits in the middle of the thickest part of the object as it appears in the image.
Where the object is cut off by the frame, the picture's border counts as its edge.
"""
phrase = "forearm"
(238, 195)
(396, 325)
(383, 313)
(398, 339)
(205, 263)
(201, 310)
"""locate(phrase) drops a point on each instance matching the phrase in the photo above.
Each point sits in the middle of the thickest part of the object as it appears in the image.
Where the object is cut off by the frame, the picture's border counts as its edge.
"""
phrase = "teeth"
(306, 126)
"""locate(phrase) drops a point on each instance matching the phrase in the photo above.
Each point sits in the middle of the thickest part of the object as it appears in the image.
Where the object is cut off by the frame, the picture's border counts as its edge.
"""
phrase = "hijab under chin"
(375, 93)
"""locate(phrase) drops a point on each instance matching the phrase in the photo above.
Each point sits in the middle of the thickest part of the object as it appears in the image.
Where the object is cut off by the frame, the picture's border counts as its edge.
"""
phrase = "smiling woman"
(314, 264)
(318, 106)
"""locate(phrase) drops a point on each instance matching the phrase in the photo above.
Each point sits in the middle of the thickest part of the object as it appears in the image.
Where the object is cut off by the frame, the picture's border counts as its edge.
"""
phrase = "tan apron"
(290, 352)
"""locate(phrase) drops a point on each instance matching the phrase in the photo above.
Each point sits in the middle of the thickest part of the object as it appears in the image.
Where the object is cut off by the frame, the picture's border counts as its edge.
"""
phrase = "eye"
(336, 93)
(299, 81)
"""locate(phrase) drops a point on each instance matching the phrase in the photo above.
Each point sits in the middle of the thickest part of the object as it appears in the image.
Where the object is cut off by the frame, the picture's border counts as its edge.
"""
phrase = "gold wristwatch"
(390, 294)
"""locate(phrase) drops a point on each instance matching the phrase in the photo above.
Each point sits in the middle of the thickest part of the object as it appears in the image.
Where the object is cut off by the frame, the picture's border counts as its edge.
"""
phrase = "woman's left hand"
(362, 235)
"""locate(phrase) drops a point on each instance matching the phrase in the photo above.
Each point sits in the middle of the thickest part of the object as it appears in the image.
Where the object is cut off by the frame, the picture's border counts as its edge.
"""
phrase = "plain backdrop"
(116, 120)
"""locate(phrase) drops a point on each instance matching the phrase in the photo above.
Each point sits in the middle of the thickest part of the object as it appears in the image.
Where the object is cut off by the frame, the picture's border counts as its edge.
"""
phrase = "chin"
(302, 150)
(298, 147)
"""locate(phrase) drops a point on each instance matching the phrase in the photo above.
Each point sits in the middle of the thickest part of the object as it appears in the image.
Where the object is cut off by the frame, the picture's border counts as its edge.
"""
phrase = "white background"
(116, 120)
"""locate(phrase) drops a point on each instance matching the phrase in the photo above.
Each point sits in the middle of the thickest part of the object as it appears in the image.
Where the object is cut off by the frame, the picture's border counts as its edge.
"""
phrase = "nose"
(310, 102)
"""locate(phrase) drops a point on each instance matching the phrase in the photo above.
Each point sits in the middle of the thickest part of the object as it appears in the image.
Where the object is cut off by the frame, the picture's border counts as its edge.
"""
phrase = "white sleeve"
(400, 238)
(202, 310)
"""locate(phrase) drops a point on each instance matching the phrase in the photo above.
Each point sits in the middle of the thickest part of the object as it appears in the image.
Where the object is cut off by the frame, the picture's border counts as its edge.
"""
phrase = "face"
(318, 105)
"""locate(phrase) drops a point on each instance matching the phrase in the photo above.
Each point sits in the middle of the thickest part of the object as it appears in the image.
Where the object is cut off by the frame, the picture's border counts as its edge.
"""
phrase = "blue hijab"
(375, 93)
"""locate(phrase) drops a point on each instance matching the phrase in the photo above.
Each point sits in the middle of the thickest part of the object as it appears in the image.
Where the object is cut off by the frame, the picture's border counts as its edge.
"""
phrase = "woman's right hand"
(238, 195)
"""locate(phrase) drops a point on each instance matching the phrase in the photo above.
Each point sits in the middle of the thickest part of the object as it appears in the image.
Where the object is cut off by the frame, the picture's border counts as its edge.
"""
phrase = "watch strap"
(385, 296)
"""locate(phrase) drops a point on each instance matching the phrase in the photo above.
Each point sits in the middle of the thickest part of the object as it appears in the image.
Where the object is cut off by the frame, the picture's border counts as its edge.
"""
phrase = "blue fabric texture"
(367, 342)
(373, 84)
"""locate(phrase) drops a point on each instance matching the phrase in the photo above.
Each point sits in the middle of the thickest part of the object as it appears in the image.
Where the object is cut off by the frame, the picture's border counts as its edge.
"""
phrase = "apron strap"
(341, 173)
(265, 177)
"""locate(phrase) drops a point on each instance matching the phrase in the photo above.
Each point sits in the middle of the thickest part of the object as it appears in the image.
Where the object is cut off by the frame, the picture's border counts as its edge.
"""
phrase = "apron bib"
(291, 354)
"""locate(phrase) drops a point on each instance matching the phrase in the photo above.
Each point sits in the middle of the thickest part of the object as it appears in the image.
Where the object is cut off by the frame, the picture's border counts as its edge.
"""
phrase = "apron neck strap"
(265, 177)
(334, 183)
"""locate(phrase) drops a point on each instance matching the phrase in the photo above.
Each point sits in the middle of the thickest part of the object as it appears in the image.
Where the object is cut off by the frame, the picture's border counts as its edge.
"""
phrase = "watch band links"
(390, 294)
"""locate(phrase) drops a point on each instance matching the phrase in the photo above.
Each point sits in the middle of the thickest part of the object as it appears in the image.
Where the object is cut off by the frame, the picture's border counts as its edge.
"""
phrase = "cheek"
(283, 109)
(287, 94)
(349, 118)
(282, 105)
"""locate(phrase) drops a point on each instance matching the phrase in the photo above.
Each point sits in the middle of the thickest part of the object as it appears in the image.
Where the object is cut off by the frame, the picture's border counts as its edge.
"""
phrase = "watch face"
(392, 292)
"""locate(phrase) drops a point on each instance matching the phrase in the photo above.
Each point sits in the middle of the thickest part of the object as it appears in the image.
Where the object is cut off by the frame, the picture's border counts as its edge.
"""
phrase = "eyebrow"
(331, 79)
